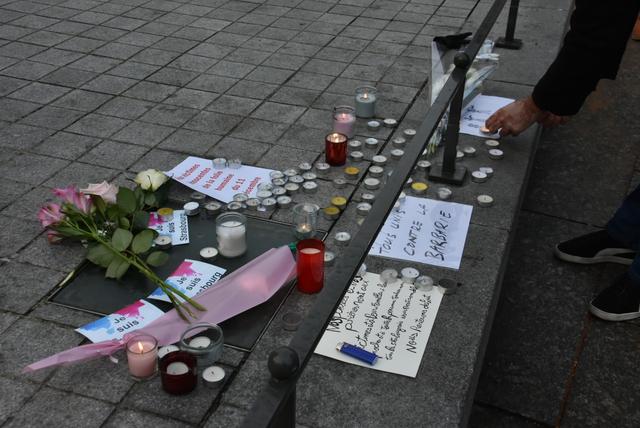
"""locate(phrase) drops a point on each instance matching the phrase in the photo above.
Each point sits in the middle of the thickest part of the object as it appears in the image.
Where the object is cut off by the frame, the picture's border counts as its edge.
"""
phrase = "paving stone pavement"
(94, 90)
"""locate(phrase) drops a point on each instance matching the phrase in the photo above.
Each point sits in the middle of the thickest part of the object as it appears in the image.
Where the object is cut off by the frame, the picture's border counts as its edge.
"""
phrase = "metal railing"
(275, 406)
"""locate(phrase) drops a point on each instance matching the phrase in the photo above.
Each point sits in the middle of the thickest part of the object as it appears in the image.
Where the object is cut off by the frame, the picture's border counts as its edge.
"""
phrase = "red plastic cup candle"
(142, 354)
(310, 265)
(178, 372)
(336, 148)
(344, 120)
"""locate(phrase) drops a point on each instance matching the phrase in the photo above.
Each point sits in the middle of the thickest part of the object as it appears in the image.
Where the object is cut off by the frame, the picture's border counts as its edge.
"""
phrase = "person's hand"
(516, 117)
(549, 120)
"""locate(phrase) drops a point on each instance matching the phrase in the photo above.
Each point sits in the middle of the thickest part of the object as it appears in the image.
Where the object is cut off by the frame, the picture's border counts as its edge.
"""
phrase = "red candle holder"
(335, 147)
(179, 372)
(310, 265)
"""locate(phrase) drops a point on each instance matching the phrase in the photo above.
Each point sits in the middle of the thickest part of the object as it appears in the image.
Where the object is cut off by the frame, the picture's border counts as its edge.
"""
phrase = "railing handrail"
(278, 394)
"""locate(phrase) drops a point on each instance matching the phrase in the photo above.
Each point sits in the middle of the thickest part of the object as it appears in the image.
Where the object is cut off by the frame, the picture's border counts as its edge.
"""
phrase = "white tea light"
(371, 183)
(444, 193)
(487, 170)
(290, 172)
(234, 163)
(390, 123)
(297, 179)
(396, 154)
(492, 144)
(213, 375)
(478, 177)
(496, 154)
(371, 143)
(284, 201)
(409, 275)
(389, 276)
(309, 187)
(177, 368)
(253, 204)
(240, 197)
(399, 142)
(376, 171)
(191, 208)
(200, 342)
(469, 151)
(342, 238)
(485, 200)
(305, 167)
(424, 283)
(356, 156)
(379, 160)
(373, 125)
(409, 133)
(208, 254)
(219, 163)
(163, 242)
(355, 144)
(278, 191)
(329, 258)
(291, 188)
(309, 176)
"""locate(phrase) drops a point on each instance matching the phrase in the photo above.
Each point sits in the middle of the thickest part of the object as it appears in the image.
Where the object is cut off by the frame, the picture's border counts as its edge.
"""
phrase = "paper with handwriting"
(476, 113)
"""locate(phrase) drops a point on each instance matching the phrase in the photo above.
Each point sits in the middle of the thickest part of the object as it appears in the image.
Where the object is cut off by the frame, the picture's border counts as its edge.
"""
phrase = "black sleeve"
(592, 50)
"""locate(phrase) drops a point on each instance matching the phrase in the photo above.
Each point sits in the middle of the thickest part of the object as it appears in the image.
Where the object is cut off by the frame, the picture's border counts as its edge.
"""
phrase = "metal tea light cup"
(204, 341)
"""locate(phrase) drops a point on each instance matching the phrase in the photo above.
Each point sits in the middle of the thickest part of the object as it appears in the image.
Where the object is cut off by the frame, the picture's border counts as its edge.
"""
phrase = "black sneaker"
(618, 302)
(596, 247)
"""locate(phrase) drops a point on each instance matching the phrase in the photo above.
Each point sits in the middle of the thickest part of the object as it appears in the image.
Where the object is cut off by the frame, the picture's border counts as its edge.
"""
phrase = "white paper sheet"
(425, 231)
(478, 111)
(192, 277)
(126, 320)
(393, 321)
(177, 228)
(198, 174)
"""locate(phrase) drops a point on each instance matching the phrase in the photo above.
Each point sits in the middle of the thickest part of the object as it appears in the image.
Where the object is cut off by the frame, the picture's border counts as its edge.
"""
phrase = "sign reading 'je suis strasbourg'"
(192, 277)
(221, 184)
(177, 228)
(126, 320)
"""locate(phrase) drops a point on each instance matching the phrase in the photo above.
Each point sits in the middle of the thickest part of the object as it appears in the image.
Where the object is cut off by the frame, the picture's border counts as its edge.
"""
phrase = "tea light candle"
(354, 145)
(389, 276)
(351, 172)
(213, 376)
(331, 213)
(478, 177)
(231, 233)
(279, 182)
(142, 355)
(297, 179)
(368, 197)
(309, 176)
(396, 154)
(219, 163)
(200, 342)
(344, 120)
(208, 254)
(165, 214)
(390, 123)
(419, 188)
(163, 242)
(342, 238)
(485, 200)
(444, 193)
(253, 204)
(167, 350)
(356, 156)
(191, 208)
(371, 183)
(379, 160)
(178, 373)
(329, 258)
(265, 186)
(424, 283)
(322, 168)
(409, 133)
(177, 368)
(276, 174)
(304, 231)
(423, 166)
(304, 167)
(492, 144)
(339, 183)
(363, 208)
(235, 206)
(278, 191)
(339, 202)
(284, 201)
(212, 209)
(376, 171)
(234, 163)
(496, 154)
(409, 275)
(399, 142)
(290, 172)
(263, 194)
(487, 170)
(459, 155)
(371, 143)
(310, 187)
(269, 204)
(291, 188)
(373, 125)
(469, 151)
(336, 148)
(366, 101)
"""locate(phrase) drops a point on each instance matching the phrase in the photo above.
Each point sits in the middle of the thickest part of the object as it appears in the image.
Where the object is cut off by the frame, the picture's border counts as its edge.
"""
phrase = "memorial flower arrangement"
(112, 221)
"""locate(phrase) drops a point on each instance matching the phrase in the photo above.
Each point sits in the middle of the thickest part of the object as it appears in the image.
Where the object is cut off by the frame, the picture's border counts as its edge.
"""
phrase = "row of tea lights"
(199, 348)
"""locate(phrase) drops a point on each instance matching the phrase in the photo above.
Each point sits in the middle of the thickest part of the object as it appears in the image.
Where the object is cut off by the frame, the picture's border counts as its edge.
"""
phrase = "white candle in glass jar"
(232, 240)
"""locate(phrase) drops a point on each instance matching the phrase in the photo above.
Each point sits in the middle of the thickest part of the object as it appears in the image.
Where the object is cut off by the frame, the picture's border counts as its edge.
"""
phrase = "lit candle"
(305, 218)
(200, 342)
(231, 232)
(142, 353)
(344, 120)
(366, 101)
(336, 149)
(310, 265)
(178, 372)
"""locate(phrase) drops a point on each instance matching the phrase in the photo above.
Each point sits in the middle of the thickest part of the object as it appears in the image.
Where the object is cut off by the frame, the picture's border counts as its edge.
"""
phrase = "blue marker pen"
(357, 352)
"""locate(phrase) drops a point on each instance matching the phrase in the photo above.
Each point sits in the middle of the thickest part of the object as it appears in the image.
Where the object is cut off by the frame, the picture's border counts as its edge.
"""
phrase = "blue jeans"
(625, 228)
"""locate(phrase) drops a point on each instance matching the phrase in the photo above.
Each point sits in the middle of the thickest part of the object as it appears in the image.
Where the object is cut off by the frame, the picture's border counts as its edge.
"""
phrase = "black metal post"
(448, 171)
(508, 41)
(284, 364)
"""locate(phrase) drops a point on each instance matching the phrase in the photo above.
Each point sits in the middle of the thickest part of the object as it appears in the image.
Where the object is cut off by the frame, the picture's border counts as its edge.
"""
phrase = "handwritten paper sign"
(192, 278)
(124, 321)
(393, 321)
(222, 184)
(177, 228)
(478, 111)
(425, 231)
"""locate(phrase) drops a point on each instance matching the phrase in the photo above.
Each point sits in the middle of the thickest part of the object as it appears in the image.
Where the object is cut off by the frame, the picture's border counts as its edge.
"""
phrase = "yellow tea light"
(419, 188)
(351, 172)
(339, 202)
(331, 213)
(166, 214)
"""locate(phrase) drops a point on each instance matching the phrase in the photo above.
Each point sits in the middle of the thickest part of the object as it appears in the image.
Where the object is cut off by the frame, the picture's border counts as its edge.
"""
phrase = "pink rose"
(53, 237)
(73, 196)
(50, 214)
(105, 190)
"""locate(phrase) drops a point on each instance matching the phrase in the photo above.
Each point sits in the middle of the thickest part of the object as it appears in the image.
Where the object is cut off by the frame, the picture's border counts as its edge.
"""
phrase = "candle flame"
(365, 95)
(140, 347)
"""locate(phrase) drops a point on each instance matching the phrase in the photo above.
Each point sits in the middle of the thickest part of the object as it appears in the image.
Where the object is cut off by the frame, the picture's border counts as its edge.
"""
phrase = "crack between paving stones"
(511, 413)
(582, 341)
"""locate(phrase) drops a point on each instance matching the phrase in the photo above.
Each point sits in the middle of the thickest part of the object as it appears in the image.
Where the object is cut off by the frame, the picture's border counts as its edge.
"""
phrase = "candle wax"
(344, 123)
(141, 359)
(232, 238)
(365, 105)
(310, 251)
(177, 368)
(200, 342)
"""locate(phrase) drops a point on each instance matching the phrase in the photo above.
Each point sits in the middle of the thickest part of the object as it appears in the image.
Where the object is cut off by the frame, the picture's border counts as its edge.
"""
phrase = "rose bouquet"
(113, 222)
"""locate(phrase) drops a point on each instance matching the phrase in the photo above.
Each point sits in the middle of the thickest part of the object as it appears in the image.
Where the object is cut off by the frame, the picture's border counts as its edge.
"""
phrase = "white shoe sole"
(609, 255)
(613, 317)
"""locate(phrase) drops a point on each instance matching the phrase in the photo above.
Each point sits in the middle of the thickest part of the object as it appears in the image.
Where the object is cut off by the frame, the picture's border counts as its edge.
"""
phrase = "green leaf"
(142, 241)
(150, 199)
(126, 200)
(121, 239)
(100, 255)
(113, 212)
(157, 258)
(117, 268)
(99, 203)
(125, 223)
(139, 193)
(141, 220)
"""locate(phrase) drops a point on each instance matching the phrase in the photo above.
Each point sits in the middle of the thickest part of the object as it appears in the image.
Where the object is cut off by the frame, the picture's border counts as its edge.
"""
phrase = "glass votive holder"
(178, 372)
(231, 233)
(335, 147)
(142, 356)
(204, 341)
(366, 101)
(305, 219)
(344, 120)
(310, 265)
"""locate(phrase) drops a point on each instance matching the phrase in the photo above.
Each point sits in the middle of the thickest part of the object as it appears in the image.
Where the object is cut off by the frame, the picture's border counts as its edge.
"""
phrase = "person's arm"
(592, 50)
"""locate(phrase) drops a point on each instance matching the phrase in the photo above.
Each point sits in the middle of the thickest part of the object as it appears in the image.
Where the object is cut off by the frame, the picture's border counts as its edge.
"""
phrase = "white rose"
(151, 179)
